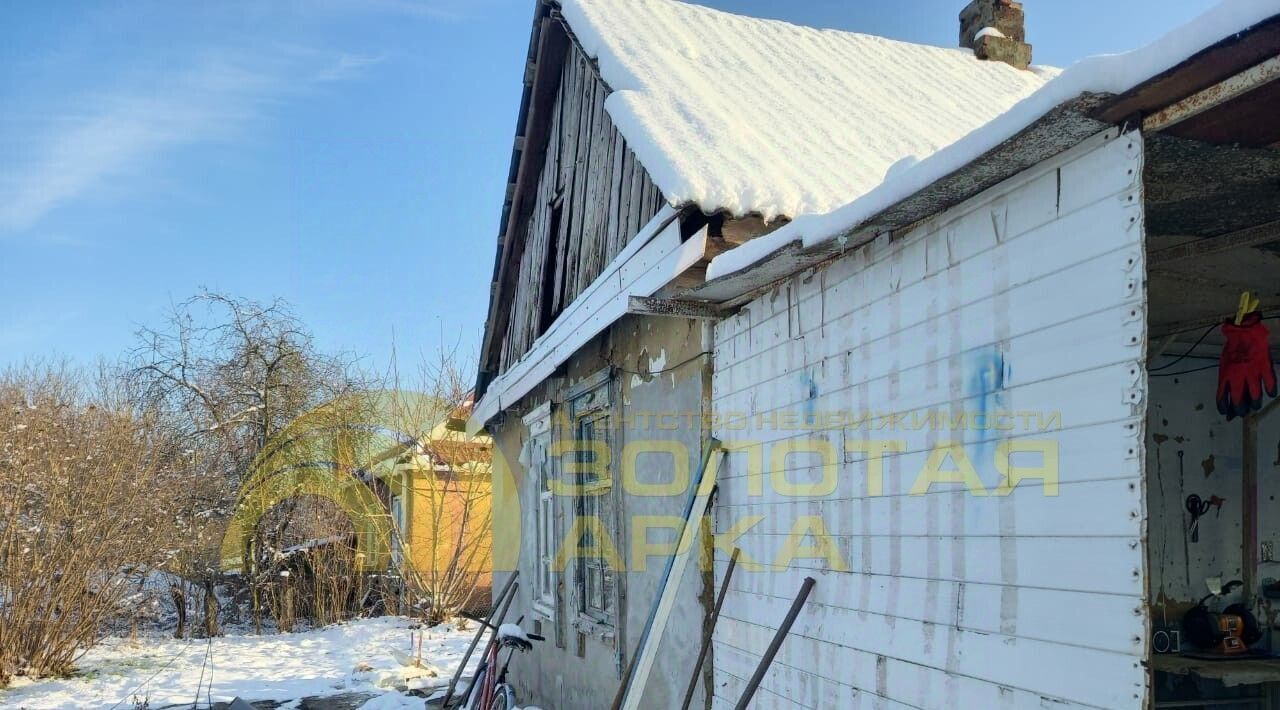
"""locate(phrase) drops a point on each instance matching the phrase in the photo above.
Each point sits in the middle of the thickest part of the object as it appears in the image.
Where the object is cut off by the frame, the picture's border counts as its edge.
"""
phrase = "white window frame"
(540, 472)
(397, 507)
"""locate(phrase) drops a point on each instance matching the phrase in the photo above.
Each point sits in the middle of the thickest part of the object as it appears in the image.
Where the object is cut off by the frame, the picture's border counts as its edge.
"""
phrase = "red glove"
(1245, 368)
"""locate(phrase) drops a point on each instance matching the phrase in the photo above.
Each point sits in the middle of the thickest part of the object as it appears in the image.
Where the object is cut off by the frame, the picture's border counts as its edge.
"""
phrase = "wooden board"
(603, 196)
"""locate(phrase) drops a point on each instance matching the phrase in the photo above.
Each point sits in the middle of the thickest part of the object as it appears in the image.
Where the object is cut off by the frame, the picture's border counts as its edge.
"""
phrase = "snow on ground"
(351, 657)
(1115, 73)
(753, 115)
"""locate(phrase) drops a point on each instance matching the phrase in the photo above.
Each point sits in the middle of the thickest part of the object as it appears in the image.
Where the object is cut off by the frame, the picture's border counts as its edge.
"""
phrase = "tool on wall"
(1197, 507)
(1167, 640)
(1226, 633)
(1271, 588)
(1245, 368)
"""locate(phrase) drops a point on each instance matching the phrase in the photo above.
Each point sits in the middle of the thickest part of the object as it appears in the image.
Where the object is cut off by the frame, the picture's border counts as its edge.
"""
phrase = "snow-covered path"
(355, 656)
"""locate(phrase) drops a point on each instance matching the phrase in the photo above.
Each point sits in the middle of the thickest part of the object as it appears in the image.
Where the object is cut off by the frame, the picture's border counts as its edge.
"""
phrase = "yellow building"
(415, 488)
(441, 505)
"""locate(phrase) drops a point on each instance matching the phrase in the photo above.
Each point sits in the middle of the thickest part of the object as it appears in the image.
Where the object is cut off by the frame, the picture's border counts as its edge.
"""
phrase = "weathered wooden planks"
(591, 198)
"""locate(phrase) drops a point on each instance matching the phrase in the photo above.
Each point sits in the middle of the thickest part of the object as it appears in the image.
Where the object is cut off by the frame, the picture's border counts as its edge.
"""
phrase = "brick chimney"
(996, 30)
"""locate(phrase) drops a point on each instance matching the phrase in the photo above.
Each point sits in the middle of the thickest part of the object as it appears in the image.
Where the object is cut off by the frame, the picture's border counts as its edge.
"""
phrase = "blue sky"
(347, 155)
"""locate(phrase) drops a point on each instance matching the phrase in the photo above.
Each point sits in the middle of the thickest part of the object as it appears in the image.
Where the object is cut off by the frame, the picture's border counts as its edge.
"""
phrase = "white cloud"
(348, 66)
(121, 134)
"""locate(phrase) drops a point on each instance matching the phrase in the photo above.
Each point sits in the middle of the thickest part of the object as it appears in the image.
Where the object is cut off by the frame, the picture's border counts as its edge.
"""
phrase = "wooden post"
(637, 673)
(1249, 505)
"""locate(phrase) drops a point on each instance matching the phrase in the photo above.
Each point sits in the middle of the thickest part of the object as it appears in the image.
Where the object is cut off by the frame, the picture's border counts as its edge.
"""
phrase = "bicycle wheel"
(503, 698)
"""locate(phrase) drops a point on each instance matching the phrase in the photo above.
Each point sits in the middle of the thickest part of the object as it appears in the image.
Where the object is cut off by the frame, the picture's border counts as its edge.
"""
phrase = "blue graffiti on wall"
(987, 388)
(811, 399)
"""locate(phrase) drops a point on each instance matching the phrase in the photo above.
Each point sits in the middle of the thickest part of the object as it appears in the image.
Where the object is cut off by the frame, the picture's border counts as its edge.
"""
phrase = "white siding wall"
(1028, 298)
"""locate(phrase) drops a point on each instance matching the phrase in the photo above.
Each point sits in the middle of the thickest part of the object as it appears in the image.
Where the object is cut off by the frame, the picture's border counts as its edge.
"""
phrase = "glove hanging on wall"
(1245, 369)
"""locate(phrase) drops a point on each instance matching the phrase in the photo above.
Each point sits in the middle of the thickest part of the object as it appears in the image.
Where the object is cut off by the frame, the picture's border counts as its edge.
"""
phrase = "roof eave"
(1055, 132)
(548, 41)
(1208, 67)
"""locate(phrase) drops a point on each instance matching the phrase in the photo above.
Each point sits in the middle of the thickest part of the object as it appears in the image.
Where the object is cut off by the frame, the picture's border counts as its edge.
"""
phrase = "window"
(398, 531)
(398, 507)
(553, 301)
(595, 582)
(538, 463)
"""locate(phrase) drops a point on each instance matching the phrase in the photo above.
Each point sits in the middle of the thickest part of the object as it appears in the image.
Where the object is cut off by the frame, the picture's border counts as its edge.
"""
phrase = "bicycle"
(488, 690)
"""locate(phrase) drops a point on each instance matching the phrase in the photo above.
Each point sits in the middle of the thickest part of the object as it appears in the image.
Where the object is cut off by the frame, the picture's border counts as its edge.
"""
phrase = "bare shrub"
(81, 471)
(444, 551)
(314, 576)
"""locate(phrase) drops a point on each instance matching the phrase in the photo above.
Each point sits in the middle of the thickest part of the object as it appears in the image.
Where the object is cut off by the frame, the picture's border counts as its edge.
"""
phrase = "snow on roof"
(1114, 74)
(763, 116)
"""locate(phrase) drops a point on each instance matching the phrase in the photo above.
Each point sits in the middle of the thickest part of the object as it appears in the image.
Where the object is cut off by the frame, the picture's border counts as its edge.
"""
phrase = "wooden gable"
(589, 197)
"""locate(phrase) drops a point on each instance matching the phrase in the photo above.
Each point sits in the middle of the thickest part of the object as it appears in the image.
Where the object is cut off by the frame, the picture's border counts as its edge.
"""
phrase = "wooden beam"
(631, 692)
(1251, 237)
(1231, 56)
(1220, 93)
(701, 310)
(1249, 499)
(743, 229)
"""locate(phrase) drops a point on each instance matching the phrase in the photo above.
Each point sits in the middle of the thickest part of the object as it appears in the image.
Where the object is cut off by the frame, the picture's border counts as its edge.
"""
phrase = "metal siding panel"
(1028, 299)
(1050, 253)
(866, 674)
(936, 601)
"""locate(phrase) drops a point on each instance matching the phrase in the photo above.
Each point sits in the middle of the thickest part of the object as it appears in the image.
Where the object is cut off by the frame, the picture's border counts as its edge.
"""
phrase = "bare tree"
(315, 477)
(230, 373)
(237, 378)
(238, 371)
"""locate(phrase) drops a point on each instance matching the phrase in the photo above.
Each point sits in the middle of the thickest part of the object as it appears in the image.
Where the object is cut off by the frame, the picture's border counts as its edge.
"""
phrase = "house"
(947, 316)
(415, 488)
(439, 495)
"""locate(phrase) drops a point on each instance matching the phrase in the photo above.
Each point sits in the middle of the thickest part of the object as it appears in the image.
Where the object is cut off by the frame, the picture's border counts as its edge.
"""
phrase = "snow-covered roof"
(763, 116)
(1106, 74)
